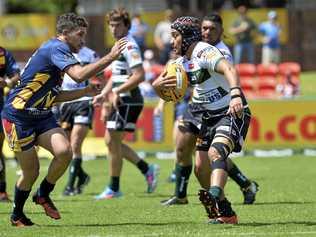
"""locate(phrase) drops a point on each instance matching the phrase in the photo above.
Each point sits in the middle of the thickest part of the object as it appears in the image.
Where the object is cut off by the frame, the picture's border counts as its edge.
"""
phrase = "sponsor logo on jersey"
(135, 55)
(199, 54)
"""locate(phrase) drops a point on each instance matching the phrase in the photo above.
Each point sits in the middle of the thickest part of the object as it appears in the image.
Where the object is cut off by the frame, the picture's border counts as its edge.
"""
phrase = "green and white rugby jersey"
(121, 67)
(210, 88)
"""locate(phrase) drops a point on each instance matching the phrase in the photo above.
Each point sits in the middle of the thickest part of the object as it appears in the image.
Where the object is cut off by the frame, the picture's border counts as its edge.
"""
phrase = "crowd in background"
(244, 30)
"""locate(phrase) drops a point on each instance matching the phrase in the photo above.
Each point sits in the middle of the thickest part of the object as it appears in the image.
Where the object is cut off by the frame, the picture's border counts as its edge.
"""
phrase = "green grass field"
(308, 85)
(285, 204)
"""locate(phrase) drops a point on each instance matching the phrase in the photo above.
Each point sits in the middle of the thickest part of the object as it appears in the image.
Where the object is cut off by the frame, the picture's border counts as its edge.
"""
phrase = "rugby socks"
(3, 187)
(235, 174)
(115, 183)
(45, 188)
(142, 166)
(73, 171)
(20, 197)
(216, 192)
(182, 179)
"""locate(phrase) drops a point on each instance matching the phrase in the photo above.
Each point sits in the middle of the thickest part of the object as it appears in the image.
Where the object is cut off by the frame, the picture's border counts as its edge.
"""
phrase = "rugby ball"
(177, 93)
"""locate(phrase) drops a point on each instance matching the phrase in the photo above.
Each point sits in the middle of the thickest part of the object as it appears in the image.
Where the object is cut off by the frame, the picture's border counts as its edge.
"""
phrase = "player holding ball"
(218, 98)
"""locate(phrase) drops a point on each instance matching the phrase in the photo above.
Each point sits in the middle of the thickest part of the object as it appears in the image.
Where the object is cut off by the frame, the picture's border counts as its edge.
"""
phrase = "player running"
(27, 117)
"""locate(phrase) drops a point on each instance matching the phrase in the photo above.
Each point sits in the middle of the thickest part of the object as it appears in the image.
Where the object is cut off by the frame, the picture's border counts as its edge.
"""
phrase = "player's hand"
(98, 100)
(115, 100)
(236, 107)
(164, 81)
(117, 48)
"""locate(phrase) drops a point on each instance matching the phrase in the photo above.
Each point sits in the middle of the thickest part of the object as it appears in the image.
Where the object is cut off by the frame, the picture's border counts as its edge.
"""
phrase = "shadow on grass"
(250, 224)
(258, 224)
(263, 203)
(120, 224)
(160, 195)
(74, 200)
(274, 203)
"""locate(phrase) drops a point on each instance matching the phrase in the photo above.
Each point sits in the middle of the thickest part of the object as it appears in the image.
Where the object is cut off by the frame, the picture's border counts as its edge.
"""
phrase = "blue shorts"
(22, 135)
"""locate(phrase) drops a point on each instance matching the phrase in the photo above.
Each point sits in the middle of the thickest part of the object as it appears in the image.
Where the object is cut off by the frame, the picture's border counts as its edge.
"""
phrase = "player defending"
(225, 111)
(27, 117)
(127, 103)
(9, 76)
(212, 30)
(76, 118)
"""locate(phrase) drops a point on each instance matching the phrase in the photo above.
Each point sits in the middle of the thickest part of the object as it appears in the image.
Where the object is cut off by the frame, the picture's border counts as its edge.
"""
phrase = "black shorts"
(235, 129)
(125, 118)
(79, 112)
(191, 120)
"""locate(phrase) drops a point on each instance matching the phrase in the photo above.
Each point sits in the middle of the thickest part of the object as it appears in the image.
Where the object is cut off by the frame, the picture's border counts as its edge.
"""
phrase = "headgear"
(190, 29)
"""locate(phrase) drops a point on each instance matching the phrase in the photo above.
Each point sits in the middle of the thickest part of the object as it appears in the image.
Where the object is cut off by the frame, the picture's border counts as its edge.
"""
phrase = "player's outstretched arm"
(90, 90)
(82, 73)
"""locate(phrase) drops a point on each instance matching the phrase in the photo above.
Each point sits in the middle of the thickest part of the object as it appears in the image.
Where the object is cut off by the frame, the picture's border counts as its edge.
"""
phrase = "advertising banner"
(153, 133)
(26, 31)
(274, 124)
(280, 124)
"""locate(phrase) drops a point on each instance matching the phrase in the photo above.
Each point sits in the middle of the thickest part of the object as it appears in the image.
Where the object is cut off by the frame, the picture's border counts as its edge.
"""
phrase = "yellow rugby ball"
(177, 93)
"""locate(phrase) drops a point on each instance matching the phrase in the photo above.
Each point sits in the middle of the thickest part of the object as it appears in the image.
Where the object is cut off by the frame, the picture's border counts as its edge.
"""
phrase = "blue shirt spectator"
(270, 31)
(139, 30)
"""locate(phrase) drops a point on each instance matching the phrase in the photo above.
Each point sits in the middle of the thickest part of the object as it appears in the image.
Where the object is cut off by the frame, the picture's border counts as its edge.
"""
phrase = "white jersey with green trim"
(210, 88)
(121, 67)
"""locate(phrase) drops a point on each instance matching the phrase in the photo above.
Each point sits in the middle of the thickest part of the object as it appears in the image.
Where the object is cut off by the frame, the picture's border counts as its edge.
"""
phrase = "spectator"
(270, 31)
(243, 28)
(152, 70)
(162, 37)
(288, 89)
(138, 31)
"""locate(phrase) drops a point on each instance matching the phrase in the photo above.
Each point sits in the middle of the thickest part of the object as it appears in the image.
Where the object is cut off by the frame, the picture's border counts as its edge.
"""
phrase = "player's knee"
(29, 176)
(65, 154)
(35, 175)
(218, 154)
(213, 154)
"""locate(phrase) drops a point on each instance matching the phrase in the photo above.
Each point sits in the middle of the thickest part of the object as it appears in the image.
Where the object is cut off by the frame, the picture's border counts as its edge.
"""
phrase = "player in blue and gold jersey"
(9, 76)
(27, 117)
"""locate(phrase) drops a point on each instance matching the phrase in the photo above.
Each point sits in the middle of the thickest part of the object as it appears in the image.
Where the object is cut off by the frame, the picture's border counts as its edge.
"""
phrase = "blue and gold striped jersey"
(41, 80)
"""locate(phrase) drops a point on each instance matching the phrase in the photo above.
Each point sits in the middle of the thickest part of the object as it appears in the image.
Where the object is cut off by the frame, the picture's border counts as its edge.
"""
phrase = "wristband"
(234, 87)
(235, 96)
